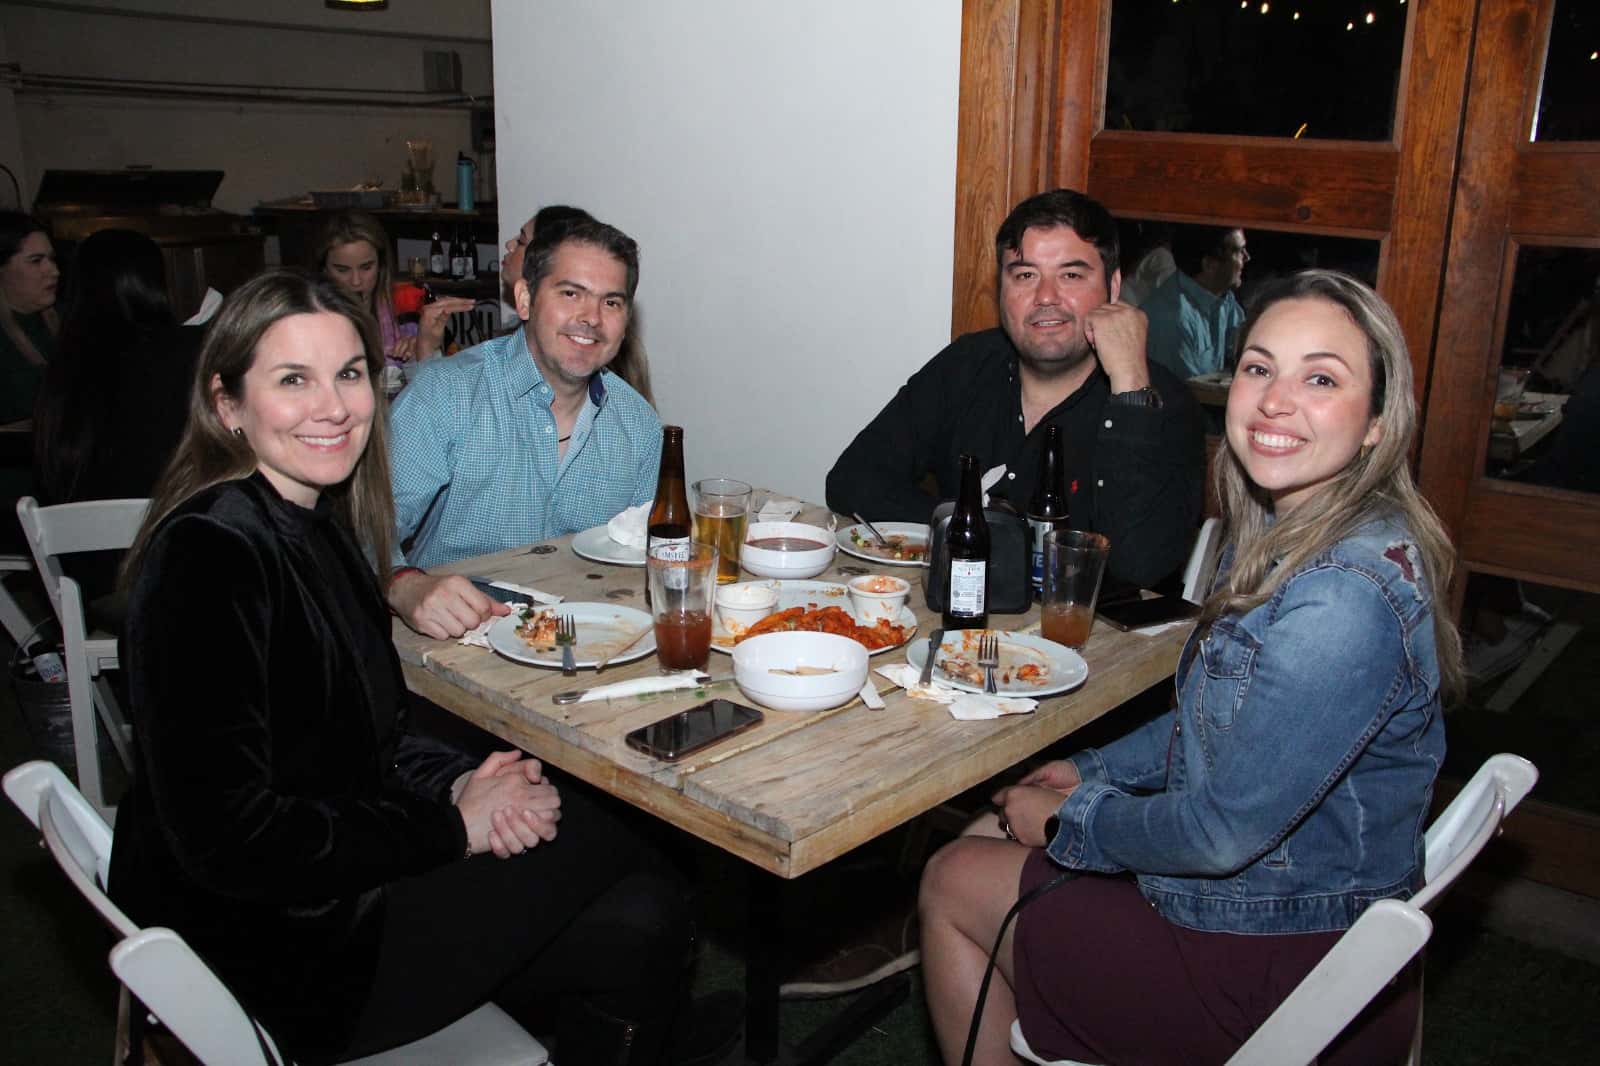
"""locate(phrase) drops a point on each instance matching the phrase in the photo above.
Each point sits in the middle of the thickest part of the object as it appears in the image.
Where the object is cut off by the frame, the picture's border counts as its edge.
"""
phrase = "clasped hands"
(508, 806)
(1025, 806)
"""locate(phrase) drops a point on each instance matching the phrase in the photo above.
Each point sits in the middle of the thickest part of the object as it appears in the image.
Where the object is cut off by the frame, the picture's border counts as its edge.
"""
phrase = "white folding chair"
(11, 614)
(1380, 943)
(97, 525)
(175, 984)
(1202, 564)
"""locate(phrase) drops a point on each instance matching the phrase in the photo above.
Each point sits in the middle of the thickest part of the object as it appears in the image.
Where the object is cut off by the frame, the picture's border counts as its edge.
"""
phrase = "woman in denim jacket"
(1224, 846)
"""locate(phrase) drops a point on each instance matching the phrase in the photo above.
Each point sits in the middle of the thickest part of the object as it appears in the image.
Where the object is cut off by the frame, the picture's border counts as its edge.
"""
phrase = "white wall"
(269, 151)
(789, 173)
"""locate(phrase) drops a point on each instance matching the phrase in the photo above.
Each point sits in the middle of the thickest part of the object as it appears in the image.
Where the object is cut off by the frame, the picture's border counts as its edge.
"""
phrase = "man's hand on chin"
(440, 607)
(1118, 332)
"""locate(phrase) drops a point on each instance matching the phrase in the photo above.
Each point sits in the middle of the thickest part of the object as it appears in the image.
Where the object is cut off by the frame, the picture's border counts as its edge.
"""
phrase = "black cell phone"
(1136, 614)
(494, 592)
(689, 731)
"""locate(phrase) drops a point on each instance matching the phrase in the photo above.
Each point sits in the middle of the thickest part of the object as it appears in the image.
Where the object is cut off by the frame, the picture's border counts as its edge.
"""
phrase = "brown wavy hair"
(347, 227)
(208, 454)
(1377, 482)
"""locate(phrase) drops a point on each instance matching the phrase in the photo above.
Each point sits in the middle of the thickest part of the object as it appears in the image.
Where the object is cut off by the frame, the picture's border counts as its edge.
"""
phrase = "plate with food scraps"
(1029, 664)
(806, 599)
(597, 546)
(908, 543)
(529, 636)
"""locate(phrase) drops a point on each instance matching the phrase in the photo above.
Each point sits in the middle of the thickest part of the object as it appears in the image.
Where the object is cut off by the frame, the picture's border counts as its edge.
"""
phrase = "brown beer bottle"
(966, 543)
(671, 521)
(1048, 509)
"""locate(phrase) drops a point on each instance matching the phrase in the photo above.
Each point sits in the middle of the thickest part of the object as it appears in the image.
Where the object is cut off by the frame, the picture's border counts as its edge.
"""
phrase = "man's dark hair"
(542, 252)
(1061, 207)
(1192, 244)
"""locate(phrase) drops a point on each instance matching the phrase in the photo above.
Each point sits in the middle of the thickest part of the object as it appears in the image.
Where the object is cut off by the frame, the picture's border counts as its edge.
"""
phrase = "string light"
(1265, 8)
(1348, 26)
(1371, 18)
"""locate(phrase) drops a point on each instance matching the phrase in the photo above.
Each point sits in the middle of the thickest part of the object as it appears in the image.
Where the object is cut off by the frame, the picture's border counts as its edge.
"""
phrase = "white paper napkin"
(630, 527)
(990, 479)
(778, 509)
(967, 706)
(479, 637)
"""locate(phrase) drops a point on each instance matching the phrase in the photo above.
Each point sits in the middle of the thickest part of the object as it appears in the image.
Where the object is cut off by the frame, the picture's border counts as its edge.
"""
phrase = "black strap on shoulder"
(983, 990)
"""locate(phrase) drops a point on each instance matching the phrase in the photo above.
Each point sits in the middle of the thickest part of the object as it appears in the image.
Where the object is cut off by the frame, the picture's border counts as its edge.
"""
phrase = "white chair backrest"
(165, 974)
(94, 525)
(77, 837)
(1202, 565)
(1471, 820)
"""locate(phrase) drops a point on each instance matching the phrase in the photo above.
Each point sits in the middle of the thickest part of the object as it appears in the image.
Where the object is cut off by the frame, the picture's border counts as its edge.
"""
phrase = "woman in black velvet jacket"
(282, 817)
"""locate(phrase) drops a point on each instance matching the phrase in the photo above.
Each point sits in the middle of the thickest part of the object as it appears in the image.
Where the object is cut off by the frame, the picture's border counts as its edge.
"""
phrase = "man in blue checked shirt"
(525, 437)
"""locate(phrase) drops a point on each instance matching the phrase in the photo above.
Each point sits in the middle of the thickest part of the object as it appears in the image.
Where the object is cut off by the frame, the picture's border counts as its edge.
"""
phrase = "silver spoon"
(883, 541)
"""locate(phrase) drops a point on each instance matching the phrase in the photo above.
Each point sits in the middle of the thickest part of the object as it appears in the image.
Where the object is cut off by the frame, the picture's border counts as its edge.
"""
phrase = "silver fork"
(989, 658)
(566, 637)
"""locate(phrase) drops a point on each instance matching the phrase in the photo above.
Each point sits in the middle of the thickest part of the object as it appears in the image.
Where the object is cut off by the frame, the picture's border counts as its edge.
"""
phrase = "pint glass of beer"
(1074, 562)
(682, 587)
(721, 513)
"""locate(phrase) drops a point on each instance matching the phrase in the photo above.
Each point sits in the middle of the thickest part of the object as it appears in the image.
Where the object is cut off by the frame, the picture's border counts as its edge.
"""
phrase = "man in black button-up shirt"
(1066, 353)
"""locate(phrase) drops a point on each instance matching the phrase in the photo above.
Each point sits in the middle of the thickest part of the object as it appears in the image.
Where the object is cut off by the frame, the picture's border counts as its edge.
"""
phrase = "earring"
(238, 431)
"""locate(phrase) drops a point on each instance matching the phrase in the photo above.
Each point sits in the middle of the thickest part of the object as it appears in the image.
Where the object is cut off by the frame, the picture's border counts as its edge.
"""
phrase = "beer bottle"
(966, 542)
(1048, 509)
(438, 264)
(671, 521)
(470, 250)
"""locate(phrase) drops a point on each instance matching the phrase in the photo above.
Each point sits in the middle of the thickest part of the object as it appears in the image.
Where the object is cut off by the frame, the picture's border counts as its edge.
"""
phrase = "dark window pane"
(1267, 68)
(1567, 110)
(1546, 424)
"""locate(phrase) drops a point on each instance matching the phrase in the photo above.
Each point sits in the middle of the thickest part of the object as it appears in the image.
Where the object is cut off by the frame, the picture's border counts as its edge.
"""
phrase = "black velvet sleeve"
(263, 774)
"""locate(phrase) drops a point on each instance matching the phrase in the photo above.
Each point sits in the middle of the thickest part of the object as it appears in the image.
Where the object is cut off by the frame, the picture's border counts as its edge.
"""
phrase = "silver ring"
(1005, 827)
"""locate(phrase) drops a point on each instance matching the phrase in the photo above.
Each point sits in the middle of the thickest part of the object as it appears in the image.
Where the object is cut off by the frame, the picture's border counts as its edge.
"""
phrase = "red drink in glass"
(683, 639)
(1066, 623)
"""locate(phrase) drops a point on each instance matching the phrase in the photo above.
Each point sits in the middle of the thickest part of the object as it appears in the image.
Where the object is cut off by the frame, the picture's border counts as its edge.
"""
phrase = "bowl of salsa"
(787, 549)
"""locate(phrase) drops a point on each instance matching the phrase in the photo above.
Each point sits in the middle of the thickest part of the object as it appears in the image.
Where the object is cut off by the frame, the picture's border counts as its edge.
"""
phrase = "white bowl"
(756, 658)
(876, 596)
(743, 604)
(778, 562)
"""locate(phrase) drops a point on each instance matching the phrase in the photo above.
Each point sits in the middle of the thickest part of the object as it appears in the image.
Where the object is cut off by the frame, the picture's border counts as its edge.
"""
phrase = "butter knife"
(933, 647)
(639, 686)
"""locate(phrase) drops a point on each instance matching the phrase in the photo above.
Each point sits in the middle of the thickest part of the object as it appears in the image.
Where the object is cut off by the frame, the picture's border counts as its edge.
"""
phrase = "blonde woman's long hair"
(1377, 482)
(208, 454)
(349, 227)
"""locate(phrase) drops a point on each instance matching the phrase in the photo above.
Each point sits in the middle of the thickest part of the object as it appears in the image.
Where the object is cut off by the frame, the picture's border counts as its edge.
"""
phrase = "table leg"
(763, 957)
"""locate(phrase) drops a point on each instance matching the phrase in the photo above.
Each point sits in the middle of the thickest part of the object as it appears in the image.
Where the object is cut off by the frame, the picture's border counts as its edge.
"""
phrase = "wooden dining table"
(793, 793)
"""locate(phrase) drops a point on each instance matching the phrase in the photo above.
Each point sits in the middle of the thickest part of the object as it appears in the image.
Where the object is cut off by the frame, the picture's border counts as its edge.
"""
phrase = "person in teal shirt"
(1194, 315)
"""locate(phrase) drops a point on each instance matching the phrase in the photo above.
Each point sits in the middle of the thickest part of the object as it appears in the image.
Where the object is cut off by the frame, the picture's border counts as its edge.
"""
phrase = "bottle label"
(49, 666)
(1038, 528)
(968, 578)
(677, 549)
(436, 263)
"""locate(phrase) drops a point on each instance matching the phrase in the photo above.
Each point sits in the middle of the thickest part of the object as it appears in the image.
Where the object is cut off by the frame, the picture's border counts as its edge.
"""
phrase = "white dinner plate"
(914, 533)
(597, 546)
(1067, 668)
(804, 594)
(602, 627)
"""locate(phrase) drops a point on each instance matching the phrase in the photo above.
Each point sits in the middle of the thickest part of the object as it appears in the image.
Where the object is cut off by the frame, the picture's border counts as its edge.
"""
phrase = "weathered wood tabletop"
(794, 792)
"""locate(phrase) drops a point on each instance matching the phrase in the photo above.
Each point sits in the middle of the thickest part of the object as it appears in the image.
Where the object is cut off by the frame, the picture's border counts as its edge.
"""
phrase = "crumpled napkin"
(965, 706)
(479, 637)
(630, 528)
(990, 479)
(778, 509)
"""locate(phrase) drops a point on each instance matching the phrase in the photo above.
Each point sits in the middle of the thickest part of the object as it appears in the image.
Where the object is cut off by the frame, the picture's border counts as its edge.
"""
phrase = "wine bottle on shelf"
(458, 256)
(1048, 509)
(438, 263)
(470, 250)
(671, 522)
(966, 542)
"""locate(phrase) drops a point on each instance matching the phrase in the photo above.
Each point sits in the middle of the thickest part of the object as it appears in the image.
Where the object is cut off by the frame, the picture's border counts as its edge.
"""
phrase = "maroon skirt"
(1100, 977)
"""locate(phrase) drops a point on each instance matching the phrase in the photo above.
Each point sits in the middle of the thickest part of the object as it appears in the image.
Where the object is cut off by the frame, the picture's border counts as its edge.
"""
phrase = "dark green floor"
(1490, 1000)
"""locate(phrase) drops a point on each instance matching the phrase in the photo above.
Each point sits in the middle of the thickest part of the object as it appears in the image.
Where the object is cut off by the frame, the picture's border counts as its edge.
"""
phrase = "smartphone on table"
(1155, 610)
(688, 731)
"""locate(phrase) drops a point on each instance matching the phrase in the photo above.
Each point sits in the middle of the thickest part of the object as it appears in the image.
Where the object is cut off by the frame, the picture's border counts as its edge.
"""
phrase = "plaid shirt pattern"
(475, 462)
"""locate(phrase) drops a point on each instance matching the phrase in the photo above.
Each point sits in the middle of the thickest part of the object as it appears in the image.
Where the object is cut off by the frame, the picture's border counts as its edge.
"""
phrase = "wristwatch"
(1145, 397)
